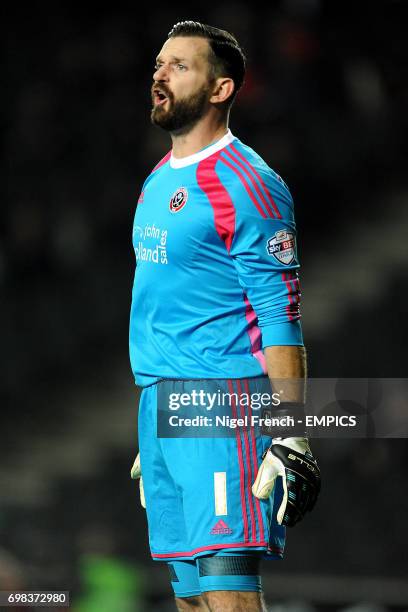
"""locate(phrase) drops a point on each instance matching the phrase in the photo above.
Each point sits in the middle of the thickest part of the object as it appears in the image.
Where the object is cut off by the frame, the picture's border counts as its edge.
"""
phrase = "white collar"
(181, 162)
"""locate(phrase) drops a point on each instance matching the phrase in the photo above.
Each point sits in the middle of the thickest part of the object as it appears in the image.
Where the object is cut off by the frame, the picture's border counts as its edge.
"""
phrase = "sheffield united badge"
(178, 200)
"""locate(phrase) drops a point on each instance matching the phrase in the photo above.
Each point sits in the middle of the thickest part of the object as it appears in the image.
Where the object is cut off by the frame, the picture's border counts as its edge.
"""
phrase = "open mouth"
(159, 98)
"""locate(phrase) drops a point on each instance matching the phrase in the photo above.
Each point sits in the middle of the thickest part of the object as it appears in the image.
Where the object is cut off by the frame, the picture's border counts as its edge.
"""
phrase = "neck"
(202, 134)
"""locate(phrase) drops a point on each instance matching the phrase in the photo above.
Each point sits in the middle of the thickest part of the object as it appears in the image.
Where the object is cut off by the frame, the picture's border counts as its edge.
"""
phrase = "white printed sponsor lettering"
(155, 253)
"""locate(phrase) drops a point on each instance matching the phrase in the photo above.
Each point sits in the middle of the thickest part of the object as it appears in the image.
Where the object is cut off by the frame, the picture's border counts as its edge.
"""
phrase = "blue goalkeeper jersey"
(216, 266)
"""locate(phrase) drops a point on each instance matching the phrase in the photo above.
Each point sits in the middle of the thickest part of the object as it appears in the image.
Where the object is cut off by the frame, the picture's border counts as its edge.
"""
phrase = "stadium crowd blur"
(325, 104)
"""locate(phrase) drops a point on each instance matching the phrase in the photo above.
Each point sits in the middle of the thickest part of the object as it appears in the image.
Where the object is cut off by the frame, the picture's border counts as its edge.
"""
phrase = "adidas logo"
(220, 528)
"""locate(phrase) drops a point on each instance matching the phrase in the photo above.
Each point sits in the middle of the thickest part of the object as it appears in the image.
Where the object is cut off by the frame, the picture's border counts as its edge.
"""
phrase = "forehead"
(190, 48)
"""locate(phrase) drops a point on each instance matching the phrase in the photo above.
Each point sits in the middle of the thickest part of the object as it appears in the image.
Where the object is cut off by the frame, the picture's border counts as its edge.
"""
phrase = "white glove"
(135, 473)
(300, 478)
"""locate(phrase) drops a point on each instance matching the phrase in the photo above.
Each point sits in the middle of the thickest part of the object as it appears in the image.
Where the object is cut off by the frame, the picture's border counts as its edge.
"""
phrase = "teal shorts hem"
(184, 594)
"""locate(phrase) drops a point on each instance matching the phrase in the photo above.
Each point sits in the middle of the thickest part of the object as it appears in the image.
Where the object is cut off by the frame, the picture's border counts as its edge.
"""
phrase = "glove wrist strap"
(283, 421)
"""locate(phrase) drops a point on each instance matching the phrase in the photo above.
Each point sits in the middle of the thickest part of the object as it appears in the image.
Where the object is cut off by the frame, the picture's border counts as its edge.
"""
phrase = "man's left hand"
(292, 459)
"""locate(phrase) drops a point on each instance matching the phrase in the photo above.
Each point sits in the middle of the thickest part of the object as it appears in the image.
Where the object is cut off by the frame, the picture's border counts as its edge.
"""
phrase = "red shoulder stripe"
(247, 187)
(252, 181)
(268, 193)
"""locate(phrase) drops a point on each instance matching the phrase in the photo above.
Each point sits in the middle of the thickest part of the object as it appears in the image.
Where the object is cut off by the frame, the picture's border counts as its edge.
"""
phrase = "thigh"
(229, 601)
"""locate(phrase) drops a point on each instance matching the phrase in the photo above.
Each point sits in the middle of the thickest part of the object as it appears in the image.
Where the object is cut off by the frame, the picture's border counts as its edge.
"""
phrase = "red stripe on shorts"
(255, 463)
(241, 464)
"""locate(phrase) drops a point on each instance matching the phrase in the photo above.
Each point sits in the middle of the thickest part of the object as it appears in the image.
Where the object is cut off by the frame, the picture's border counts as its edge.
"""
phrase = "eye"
(181, 67)
(157, 65)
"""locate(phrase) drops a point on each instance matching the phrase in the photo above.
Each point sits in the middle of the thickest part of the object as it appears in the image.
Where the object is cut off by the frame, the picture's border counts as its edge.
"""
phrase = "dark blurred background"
(325, 104)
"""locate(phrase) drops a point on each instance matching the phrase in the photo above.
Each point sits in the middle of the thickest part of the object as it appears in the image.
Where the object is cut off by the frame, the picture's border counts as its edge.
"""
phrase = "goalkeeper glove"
(290, 458)
(135, 473)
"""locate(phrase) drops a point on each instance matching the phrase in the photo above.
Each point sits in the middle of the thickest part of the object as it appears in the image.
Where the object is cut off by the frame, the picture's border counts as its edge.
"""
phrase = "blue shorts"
(198, 490)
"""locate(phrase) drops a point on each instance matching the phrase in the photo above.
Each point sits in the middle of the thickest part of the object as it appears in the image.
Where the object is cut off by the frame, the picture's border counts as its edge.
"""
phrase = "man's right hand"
(135, 473)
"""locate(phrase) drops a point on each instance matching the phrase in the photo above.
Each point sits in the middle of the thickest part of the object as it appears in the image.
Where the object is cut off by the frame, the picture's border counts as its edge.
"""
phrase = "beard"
(181, 114)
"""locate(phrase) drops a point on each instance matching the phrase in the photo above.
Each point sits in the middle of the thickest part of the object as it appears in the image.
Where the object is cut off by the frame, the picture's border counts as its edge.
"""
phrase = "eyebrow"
(173, 57)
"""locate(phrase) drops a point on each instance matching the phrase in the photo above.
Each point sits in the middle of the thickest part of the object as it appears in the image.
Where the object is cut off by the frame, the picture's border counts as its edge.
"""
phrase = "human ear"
(223, 89)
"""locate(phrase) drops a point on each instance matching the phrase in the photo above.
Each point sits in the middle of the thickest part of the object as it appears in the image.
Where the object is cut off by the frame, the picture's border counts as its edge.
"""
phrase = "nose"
(161, 74)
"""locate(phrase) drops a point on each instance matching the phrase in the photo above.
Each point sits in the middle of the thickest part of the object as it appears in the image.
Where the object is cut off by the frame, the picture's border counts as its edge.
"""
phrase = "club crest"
(178, 200)
(282, 246)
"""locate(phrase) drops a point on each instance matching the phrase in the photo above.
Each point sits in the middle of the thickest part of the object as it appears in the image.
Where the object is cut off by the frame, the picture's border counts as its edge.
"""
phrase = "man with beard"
(215, 306)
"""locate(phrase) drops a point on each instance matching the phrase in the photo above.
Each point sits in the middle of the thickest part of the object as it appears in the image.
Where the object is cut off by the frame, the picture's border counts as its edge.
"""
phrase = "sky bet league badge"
(282, 247)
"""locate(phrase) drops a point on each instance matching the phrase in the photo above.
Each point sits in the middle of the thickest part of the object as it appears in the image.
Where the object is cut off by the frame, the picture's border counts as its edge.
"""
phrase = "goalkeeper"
(216, 297)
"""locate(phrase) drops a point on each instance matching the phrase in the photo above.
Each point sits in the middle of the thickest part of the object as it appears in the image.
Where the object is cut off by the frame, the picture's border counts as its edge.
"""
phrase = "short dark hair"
(226, 57)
